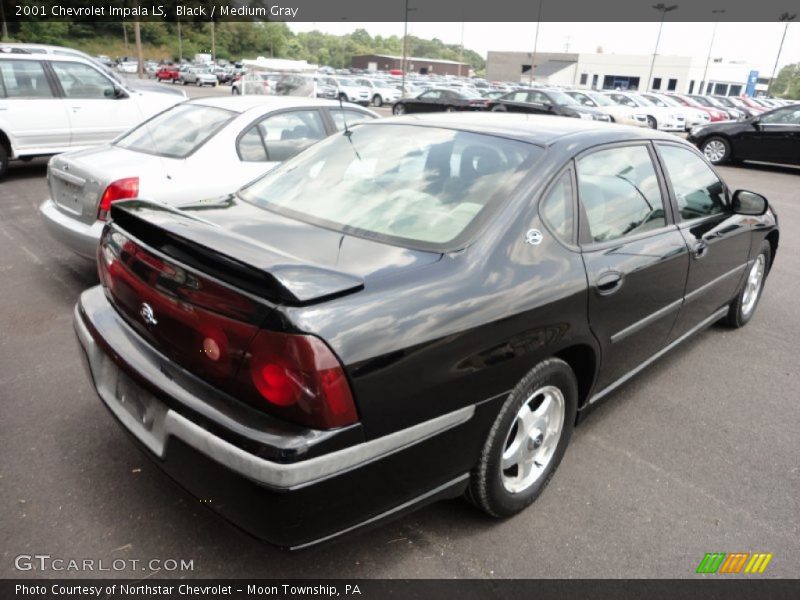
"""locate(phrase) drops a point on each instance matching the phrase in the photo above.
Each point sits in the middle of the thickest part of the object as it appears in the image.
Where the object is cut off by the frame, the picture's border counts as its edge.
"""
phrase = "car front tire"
(399, 109)
(377, 100)
(527, 440)
(499, 108)
(717, 150)
(743, 307)
(651, 122)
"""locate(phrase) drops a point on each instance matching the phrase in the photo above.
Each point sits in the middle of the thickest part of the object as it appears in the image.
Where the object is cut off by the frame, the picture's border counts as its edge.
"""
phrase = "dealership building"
(625, 71)
(424, 66)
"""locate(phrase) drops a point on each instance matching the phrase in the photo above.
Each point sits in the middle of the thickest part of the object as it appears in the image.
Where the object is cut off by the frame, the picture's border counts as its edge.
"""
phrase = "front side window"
(619, 191)
(24, 79)
(782, 116)
(431, 95)
(177, 132)
(416, 186)
(698, 191)
(82, 81)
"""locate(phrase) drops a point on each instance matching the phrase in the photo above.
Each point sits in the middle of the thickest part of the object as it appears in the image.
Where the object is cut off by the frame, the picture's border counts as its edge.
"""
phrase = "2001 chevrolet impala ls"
(418, 308)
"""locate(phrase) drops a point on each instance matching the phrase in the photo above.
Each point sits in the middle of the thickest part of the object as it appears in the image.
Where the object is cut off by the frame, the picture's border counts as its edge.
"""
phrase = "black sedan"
(773, 136)
(440, 100)
(410, 311)
(545, 102)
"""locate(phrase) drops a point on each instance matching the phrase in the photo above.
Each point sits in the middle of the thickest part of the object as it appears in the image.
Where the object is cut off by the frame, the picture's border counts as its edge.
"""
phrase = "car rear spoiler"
(240, 261)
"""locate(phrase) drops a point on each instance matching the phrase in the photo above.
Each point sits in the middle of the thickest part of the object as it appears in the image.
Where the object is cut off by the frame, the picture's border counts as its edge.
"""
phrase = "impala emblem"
(533, 237)
(147, 314)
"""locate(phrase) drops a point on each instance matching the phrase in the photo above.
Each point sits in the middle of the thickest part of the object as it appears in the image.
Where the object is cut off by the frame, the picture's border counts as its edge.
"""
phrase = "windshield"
(562, 99)
(725, 102)
(641, 100)
(176, 132)
(702, 101)
(600, 100)
(656, 100)
(415, 186)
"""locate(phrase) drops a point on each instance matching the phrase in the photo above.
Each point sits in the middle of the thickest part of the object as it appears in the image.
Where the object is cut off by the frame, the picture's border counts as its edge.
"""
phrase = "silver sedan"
(198, 149)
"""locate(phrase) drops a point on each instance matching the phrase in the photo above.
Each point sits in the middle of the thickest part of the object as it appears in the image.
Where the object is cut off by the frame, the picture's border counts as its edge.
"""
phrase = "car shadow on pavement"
(25, 169)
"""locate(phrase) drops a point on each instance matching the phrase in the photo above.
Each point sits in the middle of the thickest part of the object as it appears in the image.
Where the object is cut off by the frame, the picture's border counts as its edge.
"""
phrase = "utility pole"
(703, 83)
(784, 18)
(180, 43)
(403, 62)
(3, 24)
(137, 35)
(461, 48)
(535, 44)
(663, 9)
(213, 42)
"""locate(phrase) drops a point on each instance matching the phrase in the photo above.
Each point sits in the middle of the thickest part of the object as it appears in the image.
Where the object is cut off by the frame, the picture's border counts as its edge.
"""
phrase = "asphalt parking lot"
(697, 454)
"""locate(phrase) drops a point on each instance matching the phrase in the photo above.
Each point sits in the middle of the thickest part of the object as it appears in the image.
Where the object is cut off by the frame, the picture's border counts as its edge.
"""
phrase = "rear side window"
(178, 131)
(24, 79)
(556, 208)
(698, 191)
(619, 191)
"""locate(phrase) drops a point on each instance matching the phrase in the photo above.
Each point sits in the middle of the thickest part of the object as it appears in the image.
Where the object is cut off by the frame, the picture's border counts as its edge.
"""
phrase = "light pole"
(663, 9)
(703, 82)
(405, 46)
(535, 44)
(784, 18)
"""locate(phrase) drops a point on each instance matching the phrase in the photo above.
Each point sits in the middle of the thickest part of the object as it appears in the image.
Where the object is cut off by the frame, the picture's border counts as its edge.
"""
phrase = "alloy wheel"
(753, 285)
(715, 150)
(532, 440)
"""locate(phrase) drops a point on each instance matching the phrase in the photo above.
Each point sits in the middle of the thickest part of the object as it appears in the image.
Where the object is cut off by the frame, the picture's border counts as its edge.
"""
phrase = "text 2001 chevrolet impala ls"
(415, 309)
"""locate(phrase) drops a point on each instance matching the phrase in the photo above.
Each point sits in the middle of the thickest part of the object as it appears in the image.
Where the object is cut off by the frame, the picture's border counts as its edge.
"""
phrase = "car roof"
(542, 130)
(247, 102)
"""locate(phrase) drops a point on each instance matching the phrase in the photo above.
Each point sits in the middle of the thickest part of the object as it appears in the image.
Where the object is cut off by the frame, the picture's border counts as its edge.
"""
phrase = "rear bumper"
(288, 485)
(81, 238)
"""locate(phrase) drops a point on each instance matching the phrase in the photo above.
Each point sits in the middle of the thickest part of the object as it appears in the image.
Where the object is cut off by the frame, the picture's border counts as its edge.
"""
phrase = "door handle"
(700, 249)
(608, 283)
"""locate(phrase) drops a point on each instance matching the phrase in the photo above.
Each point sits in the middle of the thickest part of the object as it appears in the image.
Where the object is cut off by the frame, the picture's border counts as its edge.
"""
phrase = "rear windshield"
(176, 132)
(420, 187)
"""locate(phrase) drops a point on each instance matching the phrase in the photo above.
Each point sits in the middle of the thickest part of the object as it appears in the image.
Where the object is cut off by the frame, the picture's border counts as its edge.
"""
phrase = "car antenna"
(347, 131)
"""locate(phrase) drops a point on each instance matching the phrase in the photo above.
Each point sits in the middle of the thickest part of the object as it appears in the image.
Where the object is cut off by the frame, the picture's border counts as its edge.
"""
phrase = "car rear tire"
(377, 100)
(399, 109)
(526, 441)
(717, 150)
(651, 122)
(449, 109)
(3, 160)
(499, 108)
(743, 307)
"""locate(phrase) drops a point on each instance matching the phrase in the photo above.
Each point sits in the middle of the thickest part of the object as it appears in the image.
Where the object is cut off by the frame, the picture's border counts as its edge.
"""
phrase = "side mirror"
(756, 122)
(748, 203)
(116, 93)
(548, 107)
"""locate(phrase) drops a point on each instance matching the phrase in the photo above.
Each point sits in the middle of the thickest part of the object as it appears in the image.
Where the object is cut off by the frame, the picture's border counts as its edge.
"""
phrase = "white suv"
(50, 104)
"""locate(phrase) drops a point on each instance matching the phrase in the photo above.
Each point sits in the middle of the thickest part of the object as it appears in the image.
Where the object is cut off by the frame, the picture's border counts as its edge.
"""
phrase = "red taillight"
(121, 189)
(300, 379)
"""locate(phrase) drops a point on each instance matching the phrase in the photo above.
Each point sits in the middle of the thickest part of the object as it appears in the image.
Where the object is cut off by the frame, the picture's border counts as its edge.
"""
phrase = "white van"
(51, 103)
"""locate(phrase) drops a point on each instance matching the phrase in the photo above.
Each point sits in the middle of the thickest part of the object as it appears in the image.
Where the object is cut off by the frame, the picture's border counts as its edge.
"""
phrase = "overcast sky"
(755, 43)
